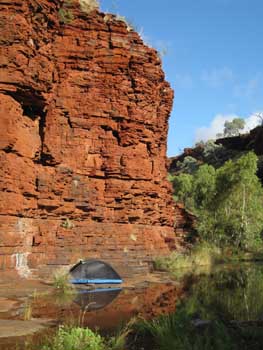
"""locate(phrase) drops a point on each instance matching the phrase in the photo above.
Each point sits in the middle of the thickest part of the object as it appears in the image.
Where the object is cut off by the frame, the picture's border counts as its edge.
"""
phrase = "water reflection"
(225, 304)
(221, 311)
(231, 294)
(90, 300)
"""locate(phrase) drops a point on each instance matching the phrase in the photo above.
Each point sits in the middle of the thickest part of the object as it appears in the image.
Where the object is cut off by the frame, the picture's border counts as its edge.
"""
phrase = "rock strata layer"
(84, 110)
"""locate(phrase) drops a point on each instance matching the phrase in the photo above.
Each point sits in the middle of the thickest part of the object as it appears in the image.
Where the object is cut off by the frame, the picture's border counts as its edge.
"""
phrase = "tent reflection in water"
(94, 272)
(96, 299)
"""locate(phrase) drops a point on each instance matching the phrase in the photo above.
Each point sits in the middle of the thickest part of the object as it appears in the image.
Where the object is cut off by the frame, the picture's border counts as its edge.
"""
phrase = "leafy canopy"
(228, 201)
(234, 127)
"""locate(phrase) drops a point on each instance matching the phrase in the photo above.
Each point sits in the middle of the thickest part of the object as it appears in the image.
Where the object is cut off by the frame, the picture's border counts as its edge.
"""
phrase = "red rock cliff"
(84, 109)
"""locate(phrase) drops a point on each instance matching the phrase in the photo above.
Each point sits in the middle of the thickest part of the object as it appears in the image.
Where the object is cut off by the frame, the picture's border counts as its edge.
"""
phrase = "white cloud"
(217, 125)
(206, 133)
(217, 77)
(252, 121)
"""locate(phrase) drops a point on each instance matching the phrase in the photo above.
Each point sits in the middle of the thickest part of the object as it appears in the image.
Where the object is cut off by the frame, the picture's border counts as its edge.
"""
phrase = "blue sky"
(213, 60)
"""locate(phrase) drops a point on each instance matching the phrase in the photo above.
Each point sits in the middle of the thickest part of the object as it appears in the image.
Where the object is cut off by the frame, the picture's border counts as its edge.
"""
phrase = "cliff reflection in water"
(106, 310)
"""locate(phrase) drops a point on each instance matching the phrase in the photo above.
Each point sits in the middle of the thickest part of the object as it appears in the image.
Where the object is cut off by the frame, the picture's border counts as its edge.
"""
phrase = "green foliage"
(215, 154)
(228, 201)
(119, 340)
(204, 185)
(199, 260)
(79, 338)
(61, 282)
(231, 295)
(65, 15)
(67, 223)
(177, 331)
(189, 165)
(183, 186)
(215, 315)
(170, 177)
(234, 127)
(76, 339)
(238, 203)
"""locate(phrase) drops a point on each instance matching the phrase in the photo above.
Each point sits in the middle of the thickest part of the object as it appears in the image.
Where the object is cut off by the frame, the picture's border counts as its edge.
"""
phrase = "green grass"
(179, 331)
(201, 258)
(62, 283)
(80, 338)
(75, 339)
(119, 340)
(65, 16)
(230, 254)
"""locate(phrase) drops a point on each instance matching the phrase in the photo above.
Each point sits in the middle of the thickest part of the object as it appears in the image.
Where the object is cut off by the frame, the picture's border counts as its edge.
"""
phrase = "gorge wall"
(84, 110)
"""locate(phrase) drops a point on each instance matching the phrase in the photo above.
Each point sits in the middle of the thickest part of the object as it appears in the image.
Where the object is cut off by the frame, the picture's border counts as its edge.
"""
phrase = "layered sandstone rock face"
(84, 109)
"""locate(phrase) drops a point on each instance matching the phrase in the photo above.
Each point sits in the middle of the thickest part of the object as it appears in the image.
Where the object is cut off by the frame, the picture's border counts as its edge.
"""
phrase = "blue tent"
(94, 272)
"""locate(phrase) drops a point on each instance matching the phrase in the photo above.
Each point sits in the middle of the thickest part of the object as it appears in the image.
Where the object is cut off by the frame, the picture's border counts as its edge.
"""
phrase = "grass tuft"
(118, 341)
(89, 5)
(27, 311)
(203, 255)
(75, 338)
(61, 282)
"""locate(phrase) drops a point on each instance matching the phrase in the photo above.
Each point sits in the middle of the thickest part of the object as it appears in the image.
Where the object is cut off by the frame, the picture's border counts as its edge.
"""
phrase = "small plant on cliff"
(28, 311)
(64, 14)
(67, 224)
(128, 23)
(89, 5)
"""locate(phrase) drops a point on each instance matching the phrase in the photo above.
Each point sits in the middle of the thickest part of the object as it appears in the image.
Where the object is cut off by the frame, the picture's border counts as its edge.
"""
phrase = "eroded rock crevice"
(34, 107)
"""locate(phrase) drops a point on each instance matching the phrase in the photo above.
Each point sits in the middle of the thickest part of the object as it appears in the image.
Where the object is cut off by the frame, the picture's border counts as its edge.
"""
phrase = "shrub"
(67, 224)
(65, 15)
(75, 339)
(61, 282)
(189, 165)
(79, 338)
(88, 5)
(183, 188)
(178, 264)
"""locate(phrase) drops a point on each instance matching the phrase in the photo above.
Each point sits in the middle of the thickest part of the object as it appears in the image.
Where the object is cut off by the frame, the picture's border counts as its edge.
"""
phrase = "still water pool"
(230, 295)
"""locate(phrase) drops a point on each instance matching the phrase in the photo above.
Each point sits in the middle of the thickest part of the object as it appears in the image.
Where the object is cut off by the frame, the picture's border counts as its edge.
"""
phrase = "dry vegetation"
(89, 5)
